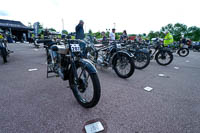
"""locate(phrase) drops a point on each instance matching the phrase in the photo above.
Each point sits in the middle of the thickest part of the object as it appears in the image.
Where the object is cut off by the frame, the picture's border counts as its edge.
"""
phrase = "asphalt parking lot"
(31, 103)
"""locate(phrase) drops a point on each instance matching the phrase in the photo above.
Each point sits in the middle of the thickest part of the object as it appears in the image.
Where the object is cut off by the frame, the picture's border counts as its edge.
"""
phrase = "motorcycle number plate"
(119, 45)
(75, 48)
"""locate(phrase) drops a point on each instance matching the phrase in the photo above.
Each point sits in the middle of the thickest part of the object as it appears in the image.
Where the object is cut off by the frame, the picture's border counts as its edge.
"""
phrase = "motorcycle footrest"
(51, 76)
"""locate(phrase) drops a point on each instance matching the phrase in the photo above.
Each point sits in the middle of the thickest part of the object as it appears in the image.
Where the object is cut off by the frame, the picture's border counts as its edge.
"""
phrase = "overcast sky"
(136, 16)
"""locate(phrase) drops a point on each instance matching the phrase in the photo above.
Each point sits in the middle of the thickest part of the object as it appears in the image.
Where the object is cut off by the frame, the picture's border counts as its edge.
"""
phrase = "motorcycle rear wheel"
(120, 62)
(162, 56)
(142, 60)
(183, 52)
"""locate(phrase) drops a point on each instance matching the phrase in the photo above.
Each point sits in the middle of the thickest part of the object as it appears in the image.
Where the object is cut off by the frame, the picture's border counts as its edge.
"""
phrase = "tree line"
(177, 30)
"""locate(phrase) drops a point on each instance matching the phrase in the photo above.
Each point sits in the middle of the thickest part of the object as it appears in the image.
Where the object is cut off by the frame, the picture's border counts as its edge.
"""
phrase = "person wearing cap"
(112, 35)
(168, 39)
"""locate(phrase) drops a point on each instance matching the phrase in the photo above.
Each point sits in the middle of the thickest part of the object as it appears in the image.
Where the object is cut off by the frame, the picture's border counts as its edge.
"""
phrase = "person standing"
(124, 36)
(80, 31)
(112, 35)
(80, 35)
(168, 39)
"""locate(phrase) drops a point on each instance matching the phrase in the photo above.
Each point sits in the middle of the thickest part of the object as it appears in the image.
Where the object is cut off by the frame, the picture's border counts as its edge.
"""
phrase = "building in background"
(15, 30)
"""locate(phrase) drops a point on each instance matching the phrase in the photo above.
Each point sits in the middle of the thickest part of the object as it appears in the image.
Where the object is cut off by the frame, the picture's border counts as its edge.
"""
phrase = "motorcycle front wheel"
(86, 88)
(124, 66)
(164, 58)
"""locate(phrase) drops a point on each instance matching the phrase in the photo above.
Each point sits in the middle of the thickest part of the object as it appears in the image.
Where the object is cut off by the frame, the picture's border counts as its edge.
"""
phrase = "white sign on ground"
(34, 69)
(176, 67)
(94, 127)
(148, 88)
(187, 61)
(36, 49)
(161, 75)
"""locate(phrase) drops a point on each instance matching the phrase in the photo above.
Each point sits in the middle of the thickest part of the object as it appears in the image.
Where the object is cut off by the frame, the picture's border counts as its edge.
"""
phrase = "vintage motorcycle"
(4, 52)
(112, 55)
(64, 58)
(141, 55)
(163, 55)
(181, 49)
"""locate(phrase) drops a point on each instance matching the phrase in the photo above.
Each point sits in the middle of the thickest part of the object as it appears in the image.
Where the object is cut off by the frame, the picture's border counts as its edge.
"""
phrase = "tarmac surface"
(31, 103)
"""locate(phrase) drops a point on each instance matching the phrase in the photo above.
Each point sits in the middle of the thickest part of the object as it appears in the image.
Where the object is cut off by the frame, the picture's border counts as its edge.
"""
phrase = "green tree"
(64, 32)
(168, 27)
(98, 35)
(179, 29)
(193, 33)
(52, 29)
(153, 34)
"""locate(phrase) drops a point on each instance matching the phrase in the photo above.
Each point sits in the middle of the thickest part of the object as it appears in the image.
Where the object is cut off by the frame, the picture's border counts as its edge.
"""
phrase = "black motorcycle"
(141, 55)
(163, 55)
(3, 51)
(112, 55)
(180, 48)
(65, 60)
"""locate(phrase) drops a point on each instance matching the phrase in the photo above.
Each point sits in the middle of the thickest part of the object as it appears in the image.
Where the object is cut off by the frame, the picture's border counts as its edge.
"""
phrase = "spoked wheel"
(142, 60)
(124, 66)
(4, 55)
(183, 52)
(164, 58)
(86, 88)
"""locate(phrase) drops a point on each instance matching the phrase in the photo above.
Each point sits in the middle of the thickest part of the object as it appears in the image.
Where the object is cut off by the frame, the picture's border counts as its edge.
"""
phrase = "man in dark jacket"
(80, 35)
(80, 31)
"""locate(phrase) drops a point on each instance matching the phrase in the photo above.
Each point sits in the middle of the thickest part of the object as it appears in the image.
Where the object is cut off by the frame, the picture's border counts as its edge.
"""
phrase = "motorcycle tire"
(4, 55)
(77, 91)
(130, 61)
(160, 53)
(141, 60)
(183, 52)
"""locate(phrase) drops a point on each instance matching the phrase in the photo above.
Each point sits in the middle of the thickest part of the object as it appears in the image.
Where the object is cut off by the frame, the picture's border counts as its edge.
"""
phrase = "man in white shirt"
(112, 35)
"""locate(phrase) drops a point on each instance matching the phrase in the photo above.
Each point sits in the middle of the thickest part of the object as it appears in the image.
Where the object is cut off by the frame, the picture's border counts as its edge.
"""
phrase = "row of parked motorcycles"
(67, 59)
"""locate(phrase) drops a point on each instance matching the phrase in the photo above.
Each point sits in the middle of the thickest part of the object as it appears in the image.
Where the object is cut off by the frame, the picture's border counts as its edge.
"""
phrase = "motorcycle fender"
(121, 52)
(89, 66)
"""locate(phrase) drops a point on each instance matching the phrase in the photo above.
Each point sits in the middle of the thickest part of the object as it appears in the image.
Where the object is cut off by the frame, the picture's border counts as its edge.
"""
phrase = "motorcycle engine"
(100, 60)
